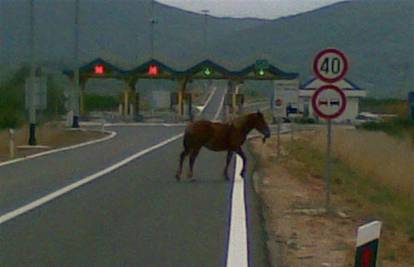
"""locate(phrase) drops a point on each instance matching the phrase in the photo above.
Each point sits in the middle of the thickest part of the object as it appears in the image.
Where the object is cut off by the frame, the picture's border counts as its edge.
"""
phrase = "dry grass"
(52, 135)
(374, 154)
(362, 189)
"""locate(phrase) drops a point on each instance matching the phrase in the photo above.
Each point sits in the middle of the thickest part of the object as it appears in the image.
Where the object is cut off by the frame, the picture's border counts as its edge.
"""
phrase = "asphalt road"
(136, 215)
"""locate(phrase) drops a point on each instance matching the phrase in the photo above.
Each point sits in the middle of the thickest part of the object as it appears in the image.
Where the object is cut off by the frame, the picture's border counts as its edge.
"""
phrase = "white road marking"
(237, 253)
(111, 135)
(144, 124)
(41, 201)
(208, 99)
(220, 107)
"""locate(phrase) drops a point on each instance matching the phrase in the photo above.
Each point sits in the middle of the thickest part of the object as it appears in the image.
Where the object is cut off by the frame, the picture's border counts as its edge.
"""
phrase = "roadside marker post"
(12, 144)
(367, 244)
(329, 102)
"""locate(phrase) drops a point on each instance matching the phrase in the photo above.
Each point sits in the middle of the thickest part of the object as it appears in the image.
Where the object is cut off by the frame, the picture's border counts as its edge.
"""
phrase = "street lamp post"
(205, 12)
(75, 91)
(32, 109)
(153, 21)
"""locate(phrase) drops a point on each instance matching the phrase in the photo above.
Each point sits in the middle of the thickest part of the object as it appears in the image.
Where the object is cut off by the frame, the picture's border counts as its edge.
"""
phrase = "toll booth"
(129, 104)
(233, 103)
(182, 104)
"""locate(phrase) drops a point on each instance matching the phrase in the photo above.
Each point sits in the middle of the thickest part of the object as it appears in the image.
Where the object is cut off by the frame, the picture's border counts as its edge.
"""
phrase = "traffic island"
(49, 136)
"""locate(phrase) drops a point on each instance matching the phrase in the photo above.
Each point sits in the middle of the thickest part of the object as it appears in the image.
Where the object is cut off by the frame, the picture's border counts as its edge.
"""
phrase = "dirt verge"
(300, 232)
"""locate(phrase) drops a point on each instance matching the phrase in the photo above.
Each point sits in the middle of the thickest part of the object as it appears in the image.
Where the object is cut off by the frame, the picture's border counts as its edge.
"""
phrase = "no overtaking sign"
(329, 102)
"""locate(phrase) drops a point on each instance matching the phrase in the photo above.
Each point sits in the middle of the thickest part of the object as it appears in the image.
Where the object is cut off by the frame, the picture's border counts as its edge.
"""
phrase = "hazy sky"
(250, 8)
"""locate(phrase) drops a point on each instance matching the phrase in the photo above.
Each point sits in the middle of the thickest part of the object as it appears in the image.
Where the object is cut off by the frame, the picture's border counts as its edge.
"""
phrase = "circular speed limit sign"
(330, 65)
(278, 102)
(329, 102)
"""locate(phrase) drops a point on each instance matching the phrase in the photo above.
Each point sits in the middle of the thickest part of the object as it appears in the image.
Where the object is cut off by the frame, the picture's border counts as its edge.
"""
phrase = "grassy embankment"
(400, 126)
(374, 172)
(95, 102)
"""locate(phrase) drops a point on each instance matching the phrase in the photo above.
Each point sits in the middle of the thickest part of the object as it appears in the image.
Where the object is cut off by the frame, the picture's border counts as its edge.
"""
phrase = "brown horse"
(220, 137)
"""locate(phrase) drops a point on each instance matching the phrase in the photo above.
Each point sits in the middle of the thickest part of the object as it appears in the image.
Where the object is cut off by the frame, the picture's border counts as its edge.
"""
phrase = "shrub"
(304, 120)
(99, 102)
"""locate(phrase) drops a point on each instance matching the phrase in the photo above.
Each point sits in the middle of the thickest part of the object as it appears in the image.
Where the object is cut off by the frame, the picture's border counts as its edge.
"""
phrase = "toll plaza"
(181, 99)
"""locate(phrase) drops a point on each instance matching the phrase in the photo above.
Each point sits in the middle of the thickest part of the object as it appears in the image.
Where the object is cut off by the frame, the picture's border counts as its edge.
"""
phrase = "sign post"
(411, 103)
(367, 244)
(35, 99)
(329, 102)
(278, 104)
(277, 114)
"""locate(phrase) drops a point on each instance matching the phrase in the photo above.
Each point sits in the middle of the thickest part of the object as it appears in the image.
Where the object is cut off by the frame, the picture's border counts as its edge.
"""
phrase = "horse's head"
(261, 125)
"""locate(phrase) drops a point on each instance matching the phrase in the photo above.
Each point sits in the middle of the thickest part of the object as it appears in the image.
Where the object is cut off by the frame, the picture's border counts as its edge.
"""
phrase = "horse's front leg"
(180, 166)
(240, 152)
(228, 159)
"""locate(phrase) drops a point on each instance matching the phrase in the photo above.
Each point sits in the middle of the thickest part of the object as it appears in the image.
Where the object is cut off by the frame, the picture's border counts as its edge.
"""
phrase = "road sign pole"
(328, 168)
(278, 137)
(32, 109)
(329, 102)
(75, 100)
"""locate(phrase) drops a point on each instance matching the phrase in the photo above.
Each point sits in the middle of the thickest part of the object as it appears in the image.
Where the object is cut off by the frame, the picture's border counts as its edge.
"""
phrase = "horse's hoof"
(192, 180)
(243, 173)
(177, 177)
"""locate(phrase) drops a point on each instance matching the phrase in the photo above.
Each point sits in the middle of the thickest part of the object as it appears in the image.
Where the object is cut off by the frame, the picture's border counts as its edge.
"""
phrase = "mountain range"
(376, 35)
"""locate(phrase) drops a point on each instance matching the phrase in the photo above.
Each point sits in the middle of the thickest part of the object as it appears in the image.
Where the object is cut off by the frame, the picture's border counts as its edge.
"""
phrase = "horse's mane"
(241, 121)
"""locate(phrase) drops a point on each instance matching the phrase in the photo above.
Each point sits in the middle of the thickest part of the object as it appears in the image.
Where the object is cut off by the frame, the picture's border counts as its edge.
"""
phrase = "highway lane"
(136, 216)
(25, 181)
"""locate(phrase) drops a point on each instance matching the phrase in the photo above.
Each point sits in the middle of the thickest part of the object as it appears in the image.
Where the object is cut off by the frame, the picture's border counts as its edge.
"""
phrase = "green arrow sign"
(207, 71)
(261, 72)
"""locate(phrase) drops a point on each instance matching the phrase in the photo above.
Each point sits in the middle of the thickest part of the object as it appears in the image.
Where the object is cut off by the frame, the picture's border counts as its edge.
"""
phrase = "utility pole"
(32, 109)
(153, 21)
(75, 91)
(205, 12)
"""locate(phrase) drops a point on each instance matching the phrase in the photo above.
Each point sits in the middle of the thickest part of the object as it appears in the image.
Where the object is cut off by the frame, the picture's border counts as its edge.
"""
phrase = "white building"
(288, 92)
(352, 92)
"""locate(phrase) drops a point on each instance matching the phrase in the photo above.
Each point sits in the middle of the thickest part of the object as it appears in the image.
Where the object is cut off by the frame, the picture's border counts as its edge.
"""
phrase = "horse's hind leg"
(180, 167)
(240, 152)
(193, 156)
(228, 159)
